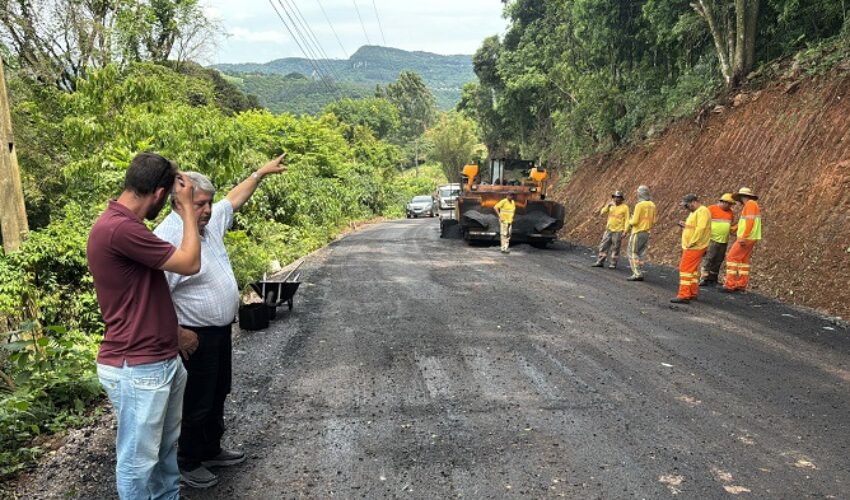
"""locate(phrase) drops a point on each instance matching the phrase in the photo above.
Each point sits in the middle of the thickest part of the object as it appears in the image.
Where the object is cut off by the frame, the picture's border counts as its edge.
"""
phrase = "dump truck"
(537, 220)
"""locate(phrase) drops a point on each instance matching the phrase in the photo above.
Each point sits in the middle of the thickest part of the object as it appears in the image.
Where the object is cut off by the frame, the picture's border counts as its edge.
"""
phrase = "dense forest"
(571, 78)
(294, 92)
(289, 85)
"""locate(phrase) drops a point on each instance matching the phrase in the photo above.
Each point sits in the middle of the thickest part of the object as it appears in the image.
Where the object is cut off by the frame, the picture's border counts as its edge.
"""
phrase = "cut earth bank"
(790, 142)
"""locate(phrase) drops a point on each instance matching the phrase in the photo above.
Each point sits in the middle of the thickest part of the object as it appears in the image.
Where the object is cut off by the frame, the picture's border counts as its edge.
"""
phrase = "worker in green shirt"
(505, 210)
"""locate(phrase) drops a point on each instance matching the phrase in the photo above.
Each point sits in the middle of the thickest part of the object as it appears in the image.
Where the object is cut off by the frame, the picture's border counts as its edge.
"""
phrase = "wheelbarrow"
(275, 293)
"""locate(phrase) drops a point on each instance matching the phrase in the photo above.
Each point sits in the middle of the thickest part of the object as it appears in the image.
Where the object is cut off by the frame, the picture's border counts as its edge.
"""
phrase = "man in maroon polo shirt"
(138, 363)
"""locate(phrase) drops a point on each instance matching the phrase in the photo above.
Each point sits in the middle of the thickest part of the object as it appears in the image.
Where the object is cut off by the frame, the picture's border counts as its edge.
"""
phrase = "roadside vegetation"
(570, 79)
(76, 133)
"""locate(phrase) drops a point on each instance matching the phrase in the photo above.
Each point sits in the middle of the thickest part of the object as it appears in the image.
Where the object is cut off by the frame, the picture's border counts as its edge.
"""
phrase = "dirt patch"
(793, 149)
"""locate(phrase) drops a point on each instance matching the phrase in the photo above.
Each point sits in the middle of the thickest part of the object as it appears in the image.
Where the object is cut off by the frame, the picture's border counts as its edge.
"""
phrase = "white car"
(447, 196)
(421, 205)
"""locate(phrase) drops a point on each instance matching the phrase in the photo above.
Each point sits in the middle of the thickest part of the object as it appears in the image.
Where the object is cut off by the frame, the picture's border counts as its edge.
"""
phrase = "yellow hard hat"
(727, 197)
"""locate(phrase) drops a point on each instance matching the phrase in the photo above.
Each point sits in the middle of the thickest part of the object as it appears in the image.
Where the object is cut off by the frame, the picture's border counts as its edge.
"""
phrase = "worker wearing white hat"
(749, 232)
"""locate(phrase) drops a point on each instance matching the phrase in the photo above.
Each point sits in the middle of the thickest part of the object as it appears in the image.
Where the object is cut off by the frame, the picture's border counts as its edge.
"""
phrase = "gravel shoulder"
(423, 368)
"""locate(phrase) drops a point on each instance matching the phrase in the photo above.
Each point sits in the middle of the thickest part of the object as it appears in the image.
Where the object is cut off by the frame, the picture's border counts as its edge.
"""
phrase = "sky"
(255, 33)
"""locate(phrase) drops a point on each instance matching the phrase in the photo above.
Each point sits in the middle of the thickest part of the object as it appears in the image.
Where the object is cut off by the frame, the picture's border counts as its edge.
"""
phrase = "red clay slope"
(792, 148)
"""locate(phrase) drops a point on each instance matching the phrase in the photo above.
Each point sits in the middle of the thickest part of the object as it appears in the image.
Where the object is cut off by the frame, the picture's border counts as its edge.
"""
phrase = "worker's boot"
(598, 263)
(680, 300)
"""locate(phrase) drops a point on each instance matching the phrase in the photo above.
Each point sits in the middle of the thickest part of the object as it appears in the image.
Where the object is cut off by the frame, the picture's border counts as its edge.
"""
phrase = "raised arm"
(243, 191)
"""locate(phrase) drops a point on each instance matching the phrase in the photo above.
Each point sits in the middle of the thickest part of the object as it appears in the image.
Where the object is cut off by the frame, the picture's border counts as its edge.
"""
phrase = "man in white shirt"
(206, 305)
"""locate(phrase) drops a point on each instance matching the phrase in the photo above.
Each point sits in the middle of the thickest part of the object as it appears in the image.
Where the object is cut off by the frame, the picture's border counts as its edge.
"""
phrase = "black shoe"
(726, 290)
(635, 278)
(199, 477)
(224, 459)
(679, 300)
(597, 264)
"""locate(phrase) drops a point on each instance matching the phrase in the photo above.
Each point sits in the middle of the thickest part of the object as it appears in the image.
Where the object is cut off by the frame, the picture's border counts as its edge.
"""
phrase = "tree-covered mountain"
(292, 84)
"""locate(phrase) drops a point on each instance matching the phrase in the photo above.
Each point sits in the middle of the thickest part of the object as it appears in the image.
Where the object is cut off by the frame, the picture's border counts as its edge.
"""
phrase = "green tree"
(733, 28)
(59, 41)
(453, 142)
(376, 113)
(416, 105)
(571, 78)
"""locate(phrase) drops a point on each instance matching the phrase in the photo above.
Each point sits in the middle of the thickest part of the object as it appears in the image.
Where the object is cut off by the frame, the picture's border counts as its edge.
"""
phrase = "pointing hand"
(275, 166)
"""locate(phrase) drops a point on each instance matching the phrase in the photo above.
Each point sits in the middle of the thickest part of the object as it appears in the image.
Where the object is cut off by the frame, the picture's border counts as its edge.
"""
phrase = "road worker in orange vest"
(615, 229)
(749, 232)
(696, 233)
(722, 224)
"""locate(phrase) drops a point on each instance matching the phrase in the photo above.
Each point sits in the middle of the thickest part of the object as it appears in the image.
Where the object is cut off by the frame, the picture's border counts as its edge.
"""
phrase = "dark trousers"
(209, 369)
(713, 260)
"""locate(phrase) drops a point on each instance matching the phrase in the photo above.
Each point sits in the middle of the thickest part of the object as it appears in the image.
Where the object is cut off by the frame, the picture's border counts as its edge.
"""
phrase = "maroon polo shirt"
(125, 258)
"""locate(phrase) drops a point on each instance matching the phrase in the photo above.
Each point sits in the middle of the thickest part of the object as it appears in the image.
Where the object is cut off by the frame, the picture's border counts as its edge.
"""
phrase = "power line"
(295, 39)
(308, 38)
(368, 42)
(332, 29)
(380, 27)
(312, 53)
(315, 41)
(321, 69)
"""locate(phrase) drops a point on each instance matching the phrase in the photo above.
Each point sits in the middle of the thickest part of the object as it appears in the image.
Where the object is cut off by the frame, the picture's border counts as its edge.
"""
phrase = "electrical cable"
(322, 70)
(292, 22)
(325, 61)
(368, 42)
(380, 27)
(332, 29)
(303, 51)
(311, 41)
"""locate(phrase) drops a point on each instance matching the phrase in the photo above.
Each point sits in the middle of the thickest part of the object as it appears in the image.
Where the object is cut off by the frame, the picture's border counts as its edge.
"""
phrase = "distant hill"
(290, 84)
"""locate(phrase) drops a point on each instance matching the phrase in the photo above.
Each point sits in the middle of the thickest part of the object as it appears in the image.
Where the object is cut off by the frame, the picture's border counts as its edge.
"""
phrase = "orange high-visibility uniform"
(695, 238)
(721, 226)
(738, 259)
(721, 223)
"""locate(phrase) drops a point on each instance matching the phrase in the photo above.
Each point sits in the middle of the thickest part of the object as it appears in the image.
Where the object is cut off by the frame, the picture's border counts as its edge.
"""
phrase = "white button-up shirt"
(211, 297)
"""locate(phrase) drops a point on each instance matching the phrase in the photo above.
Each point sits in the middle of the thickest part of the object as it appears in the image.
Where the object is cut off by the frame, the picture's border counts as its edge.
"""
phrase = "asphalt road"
(415, 367)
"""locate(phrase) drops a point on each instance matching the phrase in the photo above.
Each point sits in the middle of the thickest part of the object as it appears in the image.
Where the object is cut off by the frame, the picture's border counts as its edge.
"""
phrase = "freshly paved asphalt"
(417, 367)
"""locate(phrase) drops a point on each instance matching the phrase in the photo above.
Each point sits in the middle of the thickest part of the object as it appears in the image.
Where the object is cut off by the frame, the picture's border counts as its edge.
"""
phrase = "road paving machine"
(537, 220)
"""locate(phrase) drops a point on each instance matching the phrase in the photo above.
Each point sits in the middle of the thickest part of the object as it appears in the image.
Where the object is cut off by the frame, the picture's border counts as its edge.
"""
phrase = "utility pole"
(13, 214)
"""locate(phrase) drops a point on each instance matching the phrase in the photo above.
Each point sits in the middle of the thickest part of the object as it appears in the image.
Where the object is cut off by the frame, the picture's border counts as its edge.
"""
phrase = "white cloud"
(441, 26)
(268, 36)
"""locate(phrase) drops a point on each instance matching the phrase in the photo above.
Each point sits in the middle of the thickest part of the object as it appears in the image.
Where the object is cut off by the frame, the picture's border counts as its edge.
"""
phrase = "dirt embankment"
(790, 143)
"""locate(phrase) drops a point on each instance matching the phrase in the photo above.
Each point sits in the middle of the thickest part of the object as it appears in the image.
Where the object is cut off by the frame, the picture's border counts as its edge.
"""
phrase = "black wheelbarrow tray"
(275, 293)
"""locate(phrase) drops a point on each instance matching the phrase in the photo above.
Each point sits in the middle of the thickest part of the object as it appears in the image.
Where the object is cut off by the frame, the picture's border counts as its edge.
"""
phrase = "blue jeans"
(148, 403)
